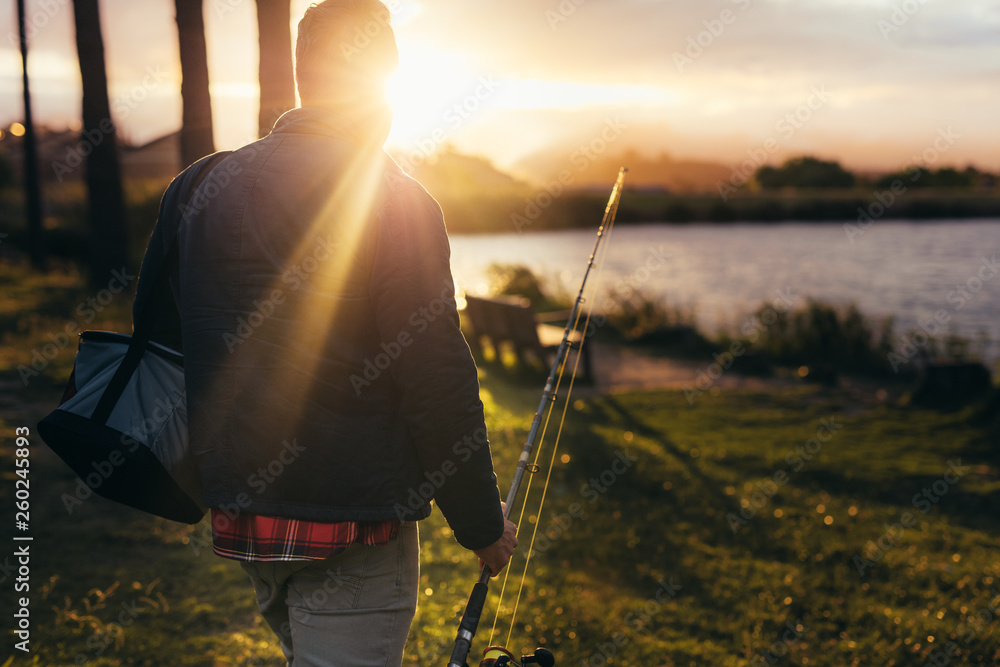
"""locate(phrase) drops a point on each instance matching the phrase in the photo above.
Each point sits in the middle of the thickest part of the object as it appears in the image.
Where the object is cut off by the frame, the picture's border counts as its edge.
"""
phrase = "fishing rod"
(499, 656)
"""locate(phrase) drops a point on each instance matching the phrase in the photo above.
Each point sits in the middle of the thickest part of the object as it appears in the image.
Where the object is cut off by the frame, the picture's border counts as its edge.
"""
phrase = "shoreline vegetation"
(817, 341)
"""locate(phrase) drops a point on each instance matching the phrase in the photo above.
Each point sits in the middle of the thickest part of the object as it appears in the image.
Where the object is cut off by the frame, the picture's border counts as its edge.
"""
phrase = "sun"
(428, 83)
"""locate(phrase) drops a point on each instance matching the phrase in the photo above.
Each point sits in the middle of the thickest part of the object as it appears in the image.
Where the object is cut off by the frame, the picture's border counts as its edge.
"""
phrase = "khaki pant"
(351, 610)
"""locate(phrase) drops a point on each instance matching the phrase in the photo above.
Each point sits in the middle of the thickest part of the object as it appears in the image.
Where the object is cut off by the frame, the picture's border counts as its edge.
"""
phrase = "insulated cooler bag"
(122, 426)
(122, 422)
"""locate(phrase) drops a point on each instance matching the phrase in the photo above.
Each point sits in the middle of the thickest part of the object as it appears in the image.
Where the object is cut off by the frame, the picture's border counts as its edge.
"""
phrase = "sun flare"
(429, 82)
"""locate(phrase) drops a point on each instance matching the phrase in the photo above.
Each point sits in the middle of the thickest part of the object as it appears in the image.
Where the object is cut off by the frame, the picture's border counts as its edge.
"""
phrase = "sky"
(875, 84)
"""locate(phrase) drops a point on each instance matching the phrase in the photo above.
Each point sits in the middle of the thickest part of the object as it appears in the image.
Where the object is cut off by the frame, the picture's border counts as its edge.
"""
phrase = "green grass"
(661, 518)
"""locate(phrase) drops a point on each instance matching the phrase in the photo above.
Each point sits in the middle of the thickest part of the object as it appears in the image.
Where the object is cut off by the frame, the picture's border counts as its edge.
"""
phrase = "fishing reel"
(498, 656)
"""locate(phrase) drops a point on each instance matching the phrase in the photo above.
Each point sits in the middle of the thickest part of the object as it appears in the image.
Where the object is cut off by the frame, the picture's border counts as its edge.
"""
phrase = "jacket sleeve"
(413, 297)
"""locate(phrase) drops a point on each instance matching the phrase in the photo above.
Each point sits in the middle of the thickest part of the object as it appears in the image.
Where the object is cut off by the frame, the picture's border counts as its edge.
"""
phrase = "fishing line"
(524, 505)
(600, 254)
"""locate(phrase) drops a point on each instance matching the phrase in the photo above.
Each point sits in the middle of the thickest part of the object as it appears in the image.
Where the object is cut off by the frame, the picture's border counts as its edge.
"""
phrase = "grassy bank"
(673, 534)
(651, 570)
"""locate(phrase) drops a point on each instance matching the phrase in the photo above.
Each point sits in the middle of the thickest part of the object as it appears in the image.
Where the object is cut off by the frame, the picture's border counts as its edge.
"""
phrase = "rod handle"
(467, 628)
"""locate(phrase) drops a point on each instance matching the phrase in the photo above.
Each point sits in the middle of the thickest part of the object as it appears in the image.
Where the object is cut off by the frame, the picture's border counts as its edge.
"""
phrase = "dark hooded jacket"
(327, 378)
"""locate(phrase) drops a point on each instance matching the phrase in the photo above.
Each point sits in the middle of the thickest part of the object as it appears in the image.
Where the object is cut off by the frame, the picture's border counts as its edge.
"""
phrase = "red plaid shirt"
(266, 538)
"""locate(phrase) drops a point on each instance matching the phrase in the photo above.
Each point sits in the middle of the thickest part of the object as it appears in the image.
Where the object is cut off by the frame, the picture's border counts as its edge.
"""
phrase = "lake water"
(912, 270)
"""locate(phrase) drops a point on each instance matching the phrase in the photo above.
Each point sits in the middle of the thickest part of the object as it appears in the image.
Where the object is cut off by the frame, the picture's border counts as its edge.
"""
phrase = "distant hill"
(661, 171)
(449, 173)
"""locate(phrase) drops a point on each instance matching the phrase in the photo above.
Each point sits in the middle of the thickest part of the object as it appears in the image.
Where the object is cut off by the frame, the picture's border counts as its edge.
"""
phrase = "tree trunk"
(196, 124)
(32, 183)
(105, 202)
(277, 83)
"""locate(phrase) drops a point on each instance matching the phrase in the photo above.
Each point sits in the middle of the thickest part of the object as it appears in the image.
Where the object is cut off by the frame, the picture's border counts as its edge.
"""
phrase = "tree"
(922, 177)
(105, 202)
(277, 83)
(805, 172)
(32, 182)
(196, 117)
(949, 177)
(8, 177)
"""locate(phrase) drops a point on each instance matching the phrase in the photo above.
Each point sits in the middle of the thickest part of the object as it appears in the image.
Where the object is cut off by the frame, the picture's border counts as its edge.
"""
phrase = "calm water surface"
(907, 269)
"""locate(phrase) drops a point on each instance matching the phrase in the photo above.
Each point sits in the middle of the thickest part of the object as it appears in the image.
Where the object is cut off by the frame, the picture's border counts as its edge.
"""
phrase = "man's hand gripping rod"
(474, 609)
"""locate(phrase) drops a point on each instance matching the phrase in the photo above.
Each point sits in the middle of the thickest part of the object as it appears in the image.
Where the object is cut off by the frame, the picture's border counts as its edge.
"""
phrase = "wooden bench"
(512, 320)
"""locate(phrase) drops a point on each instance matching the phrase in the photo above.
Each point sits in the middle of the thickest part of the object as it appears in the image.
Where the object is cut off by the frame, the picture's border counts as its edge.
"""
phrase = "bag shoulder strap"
(160, 275)
(159, 272)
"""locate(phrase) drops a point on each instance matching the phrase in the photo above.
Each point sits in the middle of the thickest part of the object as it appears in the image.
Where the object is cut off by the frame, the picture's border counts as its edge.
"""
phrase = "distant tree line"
(810, 172)
(805, 172)
(948, 177)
